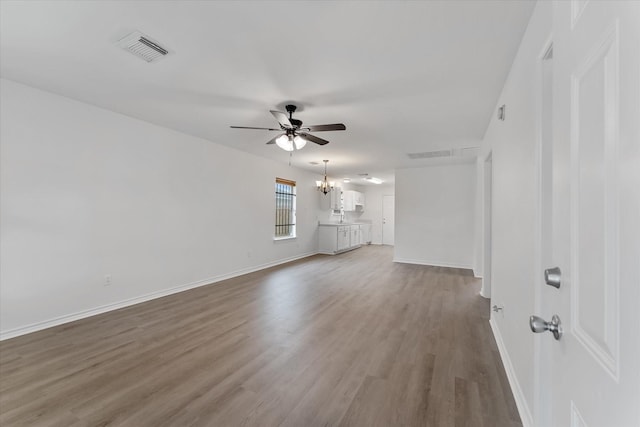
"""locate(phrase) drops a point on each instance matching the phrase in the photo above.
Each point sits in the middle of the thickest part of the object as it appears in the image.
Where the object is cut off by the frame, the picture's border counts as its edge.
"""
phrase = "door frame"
(487, 219)
(542, 396)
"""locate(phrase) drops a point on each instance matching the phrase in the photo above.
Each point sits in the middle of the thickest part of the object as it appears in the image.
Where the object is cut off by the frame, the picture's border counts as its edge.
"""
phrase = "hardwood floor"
(348, 340)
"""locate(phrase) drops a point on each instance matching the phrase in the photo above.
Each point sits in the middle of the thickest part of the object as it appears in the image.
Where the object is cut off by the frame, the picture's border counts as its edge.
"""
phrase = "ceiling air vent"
(430, 154)
(470, 151)
(142, 47)
(454, 152)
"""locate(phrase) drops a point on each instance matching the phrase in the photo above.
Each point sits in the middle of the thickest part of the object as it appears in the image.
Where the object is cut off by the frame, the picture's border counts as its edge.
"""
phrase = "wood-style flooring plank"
(347, 340)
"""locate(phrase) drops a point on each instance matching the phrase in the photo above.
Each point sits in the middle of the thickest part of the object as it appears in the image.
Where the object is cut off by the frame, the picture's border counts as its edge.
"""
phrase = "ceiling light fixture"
(288, 142)
(325, 186)
(374, 180)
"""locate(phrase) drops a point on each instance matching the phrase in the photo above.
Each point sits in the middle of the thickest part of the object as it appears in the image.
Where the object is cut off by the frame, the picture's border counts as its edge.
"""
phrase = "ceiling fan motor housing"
(291, 109)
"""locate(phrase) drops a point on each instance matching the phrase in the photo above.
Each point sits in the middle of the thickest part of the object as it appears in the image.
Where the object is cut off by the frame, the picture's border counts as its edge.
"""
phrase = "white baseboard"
(484, 293)
(518, 395)
(433, 263)
(12, 333)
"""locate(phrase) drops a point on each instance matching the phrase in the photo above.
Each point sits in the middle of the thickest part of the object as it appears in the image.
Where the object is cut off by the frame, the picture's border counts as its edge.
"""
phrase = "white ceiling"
(404, 76)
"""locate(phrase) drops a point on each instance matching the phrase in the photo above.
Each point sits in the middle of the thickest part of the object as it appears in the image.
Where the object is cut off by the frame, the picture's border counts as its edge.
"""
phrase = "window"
(285, 209)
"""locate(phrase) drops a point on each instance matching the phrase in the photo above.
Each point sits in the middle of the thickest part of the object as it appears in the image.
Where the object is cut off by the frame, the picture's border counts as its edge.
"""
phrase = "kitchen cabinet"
(353, 201)
(366, 234)
(336, 238)
(356, 235)
(336, 199)
(344, 238)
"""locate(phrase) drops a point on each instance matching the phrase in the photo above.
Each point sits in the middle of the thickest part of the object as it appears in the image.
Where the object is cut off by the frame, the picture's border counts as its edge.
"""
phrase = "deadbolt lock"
(552, 277)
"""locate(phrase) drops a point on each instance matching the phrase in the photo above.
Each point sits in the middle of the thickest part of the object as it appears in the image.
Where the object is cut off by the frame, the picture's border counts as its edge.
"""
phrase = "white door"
(594, 369)
(388, 219)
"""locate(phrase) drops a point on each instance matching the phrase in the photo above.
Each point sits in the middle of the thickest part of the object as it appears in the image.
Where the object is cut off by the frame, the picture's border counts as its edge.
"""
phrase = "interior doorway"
(488, 187)
(388, 219)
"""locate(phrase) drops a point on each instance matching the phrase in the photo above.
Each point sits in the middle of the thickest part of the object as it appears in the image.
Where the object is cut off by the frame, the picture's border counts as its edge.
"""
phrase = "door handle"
(538, 324)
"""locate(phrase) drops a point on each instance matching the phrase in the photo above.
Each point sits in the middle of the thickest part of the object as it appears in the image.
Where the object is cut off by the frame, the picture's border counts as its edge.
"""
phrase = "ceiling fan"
(295, 136)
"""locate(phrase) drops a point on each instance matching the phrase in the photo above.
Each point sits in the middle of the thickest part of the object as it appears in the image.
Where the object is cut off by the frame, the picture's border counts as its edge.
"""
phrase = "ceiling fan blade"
(323, 128)
(273, 140)
(313, 138)
(249, 127)
(282, 119)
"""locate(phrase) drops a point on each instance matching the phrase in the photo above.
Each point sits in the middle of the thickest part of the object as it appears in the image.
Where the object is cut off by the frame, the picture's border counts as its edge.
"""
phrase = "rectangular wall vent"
(142, 47)
(430, 154)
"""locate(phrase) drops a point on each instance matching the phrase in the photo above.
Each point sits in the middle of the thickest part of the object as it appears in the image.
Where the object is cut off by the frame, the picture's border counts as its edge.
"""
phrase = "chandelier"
(325, 186)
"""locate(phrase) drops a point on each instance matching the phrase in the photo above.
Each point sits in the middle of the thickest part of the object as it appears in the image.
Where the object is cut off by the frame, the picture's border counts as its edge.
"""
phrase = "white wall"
(513, 144)
(86, 192)
(373, 208)
(435, 211)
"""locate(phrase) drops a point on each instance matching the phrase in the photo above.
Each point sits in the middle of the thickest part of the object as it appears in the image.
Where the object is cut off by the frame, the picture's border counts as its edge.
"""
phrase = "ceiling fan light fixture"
(285, 142)
(299, 142)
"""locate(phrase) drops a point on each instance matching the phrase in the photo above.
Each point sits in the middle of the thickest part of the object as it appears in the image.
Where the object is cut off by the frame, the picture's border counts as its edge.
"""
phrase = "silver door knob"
(552, 277)
(538, 324)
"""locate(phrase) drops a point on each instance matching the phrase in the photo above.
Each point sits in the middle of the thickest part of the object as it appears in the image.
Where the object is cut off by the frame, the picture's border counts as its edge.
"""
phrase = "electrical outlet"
(107, 280)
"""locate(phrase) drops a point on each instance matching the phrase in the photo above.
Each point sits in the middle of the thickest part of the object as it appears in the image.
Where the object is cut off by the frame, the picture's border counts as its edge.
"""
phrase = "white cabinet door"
(344, 237)
(353, 201)
(336, 199)
(356, 235)
(349, 201)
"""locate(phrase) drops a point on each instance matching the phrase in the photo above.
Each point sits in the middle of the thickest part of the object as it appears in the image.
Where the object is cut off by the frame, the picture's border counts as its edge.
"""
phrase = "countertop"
(338, 224)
